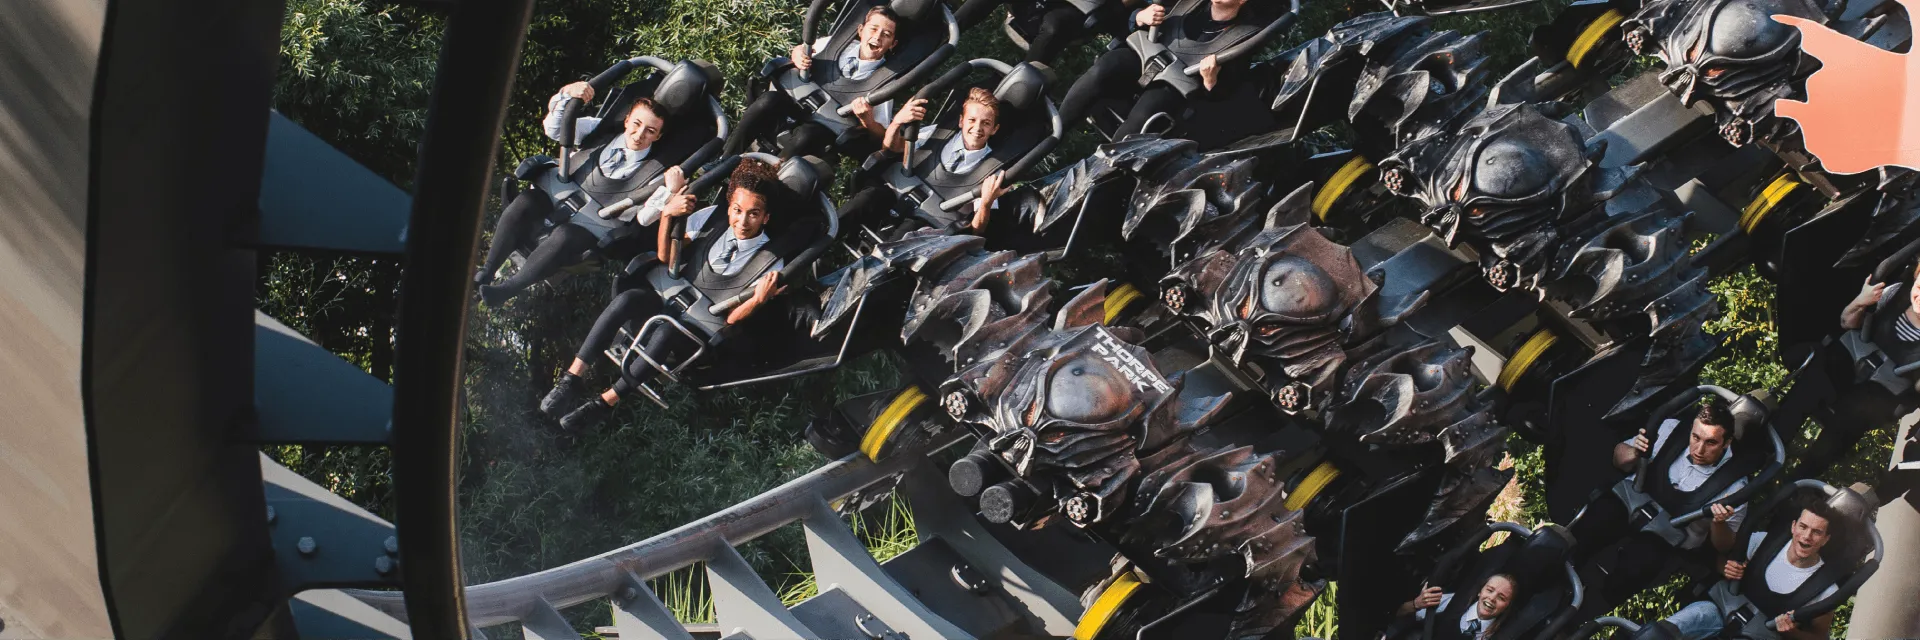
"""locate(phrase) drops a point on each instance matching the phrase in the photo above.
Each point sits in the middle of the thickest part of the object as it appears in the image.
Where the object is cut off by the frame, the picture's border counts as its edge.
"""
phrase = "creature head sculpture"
(1507, 184)
(1071, 413)
(1283, 298)
(1730, 53)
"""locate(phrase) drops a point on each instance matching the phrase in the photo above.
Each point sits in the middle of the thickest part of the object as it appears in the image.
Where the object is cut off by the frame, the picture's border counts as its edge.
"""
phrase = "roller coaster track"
(198, 536)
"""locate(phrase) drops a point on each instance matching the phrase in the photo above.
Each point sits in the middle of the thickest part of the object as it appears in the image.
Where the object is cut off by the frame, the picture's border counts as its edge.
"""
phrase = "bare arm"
(1626, 452)
(1856, 312)
(767, 288)
(678, 205)
(1720, 533)
(890, 138)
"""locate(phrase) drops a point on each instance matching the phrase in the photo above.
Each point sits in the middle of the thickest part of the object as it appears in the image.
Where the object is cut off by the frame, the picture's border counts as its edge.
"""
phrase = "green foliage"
(359, 76)
(1322, 618)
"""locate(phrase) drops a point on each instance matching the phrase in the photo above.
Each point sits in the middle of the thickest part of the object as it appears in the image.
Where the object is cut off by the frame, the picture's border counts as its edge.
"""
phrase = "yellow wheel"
(1339, 184)
(1118, 300)
(1782, 186)
(890, 420)
(1529, 353)
(1310, 486)
(1592, 35)
(1106, 607)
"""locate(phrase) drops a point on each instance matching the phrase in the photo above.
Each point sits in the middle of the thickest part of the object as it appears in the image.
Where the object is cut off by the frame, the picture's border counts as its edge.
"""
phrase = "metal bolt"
(627, 594)
(271, 516)
(306, 546)
(382, 565)
(393, 545)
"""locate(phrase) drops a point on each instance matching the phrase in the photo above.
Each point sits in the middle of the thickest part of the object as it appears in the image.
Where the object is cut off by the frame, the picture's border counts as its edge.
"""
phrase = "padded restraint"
(805, 176)
(916, 11)
(685, 89)
(1024, 88)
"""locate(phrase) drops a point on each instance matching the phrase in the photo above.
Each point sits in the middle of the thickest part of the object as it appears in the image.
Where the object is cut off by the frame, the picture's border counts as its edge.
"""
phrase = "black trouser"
(1856, 409)
(667, 346)
(1117, 73)
(764, 117)
(873, 207)
(1060, 25)
(1639, 560)
(522, 220)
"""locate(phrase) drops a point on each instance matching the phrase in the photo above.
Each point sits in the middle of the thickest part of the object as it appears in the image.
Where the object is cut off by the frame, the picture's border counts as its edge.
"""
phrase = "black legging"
(630, 306)
(1856, 409)
(1117, 73)
(784, 326)
(764, 117)
(521, 220)
(1060, 26)
(1640, 557)
(872, 207)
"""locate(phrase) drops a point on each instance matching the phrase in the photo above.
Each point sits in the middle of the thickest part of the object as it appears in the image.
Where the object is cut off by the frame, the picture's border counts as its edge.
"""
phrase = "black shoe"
(568, 391)
(495, 296)
(588, 416)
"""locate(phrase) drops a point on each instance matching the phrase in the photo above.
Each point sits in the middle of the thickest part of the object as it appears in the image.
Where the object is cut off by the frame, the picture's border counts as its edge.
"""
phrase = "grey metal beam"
(303, 394)
(639, 614)
(833, 614)
(743, 602)
(938, 512)
(545, 623)
(312, 196)
(322, 540)
(840, 559)
(1652, 128)
(603, 575)
(328, 614)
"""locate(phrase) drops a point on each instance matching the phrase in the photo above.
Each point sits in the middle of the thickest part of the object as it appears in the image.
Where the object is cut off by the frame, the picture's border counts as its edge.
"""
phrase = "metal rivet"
(383, 565)
(393, 545)
(627, 594)
(307, 546)
(271, 516)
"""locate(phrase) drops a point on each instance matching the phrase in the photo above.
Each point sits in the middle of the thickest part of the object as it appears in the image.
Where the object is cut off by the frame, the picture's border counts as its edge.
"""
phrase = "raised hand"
(676, 180)
(1429, 597)
(1721, 512)
(580, 90)
(802, 58)
(914, 110)
(1151, 16)
(1209, 69)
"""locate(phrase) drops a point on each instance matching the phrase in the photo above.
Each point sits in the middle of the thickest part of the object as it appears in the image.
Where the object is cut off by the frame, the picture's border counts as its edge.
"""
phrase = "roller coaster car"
(687, 94)
(1029, 129)
(1550, 590)
(1169, 58)
(697, 307)
(1852, 554)
(925, 40)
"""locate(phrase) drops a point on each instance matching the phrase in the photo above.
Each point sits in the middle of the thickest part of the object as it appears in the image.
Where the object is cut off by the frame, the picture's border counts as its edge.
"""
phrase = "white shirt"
(1782, 576)
(956, 153)
(742, 249)
(1472, 614)
(617, 161)
(1684, 475)
(862, 69)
